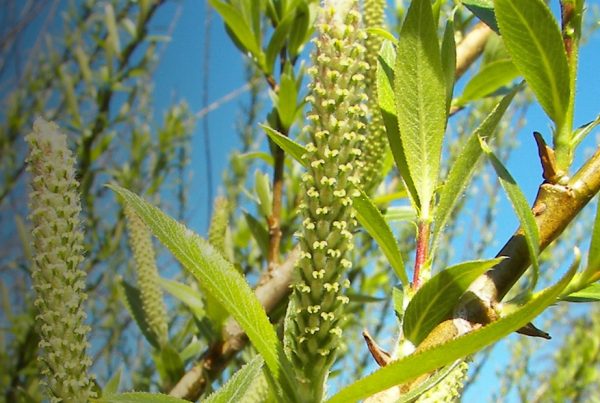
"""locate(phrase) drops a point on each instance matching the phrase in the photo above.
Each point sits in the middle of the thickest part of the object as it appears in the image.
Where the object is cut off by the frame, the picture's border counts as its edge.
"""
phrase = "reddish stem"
(421, 252)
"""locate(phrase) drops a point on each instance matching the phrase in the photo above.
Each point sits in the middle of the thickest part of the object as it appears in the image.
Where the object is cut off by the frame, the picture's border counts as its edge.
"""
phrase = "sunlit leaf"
(463, 167)
(437, 298)
(235, 388)
(484, 10)
(221, 279)
(370, 218)
(387, 106)
(295, 150)
(420, 93)
(414, 365)
(535, 43)
(139, 397)
(588, 294)
(521, 208)
(489, 79)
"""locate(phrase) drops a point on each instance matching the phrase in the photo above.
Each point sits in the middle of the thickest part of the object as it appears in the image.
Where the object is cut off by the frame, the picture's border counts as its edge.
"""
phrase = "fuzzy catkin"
(375, 147)
(151, 294)
(58, 251)
(449, 389)
(336, 127)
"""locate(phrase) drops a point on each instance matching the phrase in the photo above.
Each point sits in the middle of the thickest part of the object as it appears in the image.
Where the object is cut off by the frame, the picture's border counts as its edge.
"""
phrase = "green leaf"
(259, 233)
(295, 150)
(383, 33)
(400, 213)
(220, 279)
(239, 27)
(583, 131)
(277, 42)
(420, 90)
(186, 294)
(417, 364)
(484, 10)
(286, 100)
(462, 169)
(371, 219)
(588, 294)
(521, 207)
(133, 303)
(449, 61)
(489, 79)
(235, 388)
(437, 298)
(594, 253)
(139, 397)
(387, 106)
(169, 365)
(112, 386)
(535, 44)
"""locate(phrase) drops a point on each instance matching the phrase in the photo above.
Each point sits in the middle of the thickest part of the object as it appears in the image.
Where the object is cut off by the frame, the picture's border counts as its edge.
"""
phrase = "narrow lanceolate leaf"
(462, 170)
(535, 44)
(186, 294)
(420, 92)
(235, 389)
(484, 10)
(488, 80)
(588, 294)
(387, 106)
(239, 27)
(139, 397)
(594, 253)
(218, 277)
(449, 61)
(438, 297)
(521, 207)
(411, 367)
(370, 218)
(295, 150)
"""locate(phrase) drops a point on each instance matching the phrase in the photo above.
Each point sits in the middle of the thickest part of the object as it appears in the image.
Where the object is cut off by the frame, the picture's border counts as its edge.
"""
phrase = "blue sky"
(180, 73)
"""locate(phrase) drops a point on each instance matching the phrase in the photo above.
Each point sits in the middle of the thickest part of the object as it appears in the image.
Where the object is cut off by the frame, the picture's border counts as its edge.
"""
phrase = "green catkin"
(449, 389)
(58, 251)
(151, 294)
(217, 231)
(336, 127)
(375, 147)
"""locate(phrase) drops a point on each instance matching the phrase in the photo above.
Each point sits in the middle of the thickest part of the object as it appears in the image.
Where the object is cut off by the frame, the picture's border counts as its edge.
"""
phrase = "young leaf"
(521, 207)
(139, 397)
(295, 150)
(387, 106)
(112, 386)
(484, 10)
(428, 384)
(594, 253)
(133, 303)
(463, 168)
(186, 294)
(489, 79)
(588, 294)
(259, 233)
(420, 90)
(169, 364)
(449, 61)
(438, 297)
(535, 44)
(239, 27)
(371, 219)
(411, 367)
(235, 388)
(277, 41)
(287, 100)
(219, 278)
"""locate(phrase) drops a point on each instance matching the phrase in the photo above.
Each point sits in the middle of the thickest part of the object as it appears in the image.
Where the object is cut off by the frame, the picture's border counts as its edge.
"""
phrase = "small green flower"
(336, 127)
(151, 294)
(58, 250)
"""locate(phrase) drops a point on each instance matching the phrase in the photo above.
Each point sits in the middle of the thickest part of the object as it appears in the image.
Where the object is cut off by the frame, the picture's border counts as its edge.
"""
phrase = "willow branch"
(469, 49)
